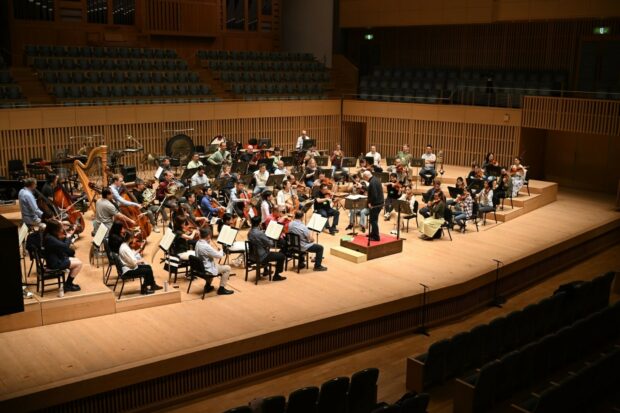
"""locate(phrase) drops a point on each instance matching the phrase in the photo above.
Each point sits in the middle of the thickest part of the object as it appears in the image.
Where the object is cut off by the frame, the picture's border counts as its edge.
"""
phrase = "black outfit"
(57, 253)
(114, 242)
(325, 210)
(47, 191)
(142, 271)
(376, 201)
(428, 196)
(392, 195)
(262, 243)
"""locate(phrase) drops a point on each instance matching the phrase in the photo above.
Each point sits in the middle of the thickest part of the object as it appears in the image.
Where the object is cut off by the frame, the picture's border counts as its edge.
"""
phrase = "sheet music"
(22, 233)
(214, 220)
(167, 239)
(227, 236)
(158, 172)
(102, 231)
(274, 230)
(317, 223)
(355, 197)
(251, 213)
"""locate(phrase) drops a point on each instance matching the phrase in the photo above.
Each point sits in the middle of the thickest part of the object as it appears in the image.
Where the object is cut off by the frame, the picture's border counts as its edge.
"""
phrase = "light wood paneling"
(69, 308)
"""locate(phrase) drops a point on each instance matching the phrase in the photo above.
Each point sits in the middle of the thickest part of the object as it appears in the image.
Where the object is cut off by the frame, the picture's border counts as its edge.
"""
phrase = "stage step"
(348, 254)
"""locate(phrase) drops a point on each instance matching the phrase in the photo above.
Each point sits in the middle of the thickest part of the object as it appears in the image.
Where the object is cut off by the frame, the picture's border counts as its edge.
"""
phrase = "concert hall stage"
(192, 347)
(387, 245)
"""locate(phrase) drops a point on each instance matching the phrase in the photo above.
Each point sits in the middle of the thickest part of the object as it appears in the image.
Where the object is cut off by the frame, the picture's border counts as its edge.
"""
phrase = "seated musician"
(220, 156)
(310, 172)
(299, 187)
(186, 234)
(358, 187)
(260, 177)
(460, 186)
(162, 194)
(428, 197)
(376, 159)
(194, 211)
(401, 171)
(466, 208)
(209, 205)
(409, 196)
(485, 198)
(323, 207)
(31, 214)
(489, 160)
(247, 155)
(195, 162)
(503, 187)
(266, 205)
(165, 166)
(286, 197)
(517, 174)
(116, 236)
(149, 210)
(336, 159)
(277, 214)
(262, 245)
(394, 191)
(117, 185)
(50, 186)
(404, 156)
(58, 254)
(430, 227)
(275, 160)
(106, 212)
(134, 266)
(311, 153)
(280, 169)
(200, 178)
(427, 172)
(209, 252)
(239, 197)
(476, 173)
(306, 241)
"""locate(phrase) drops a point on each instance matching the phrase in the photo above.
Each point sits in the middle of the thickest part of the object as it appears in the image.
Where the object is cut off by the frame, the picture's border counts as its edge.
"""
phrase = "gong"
(180, 147)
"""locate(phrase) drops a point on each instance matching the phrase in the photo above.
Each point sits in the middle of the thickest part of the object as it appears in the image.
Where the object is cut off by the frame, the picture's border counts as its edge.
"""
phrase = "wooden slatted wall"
(600, 117)
(183, 17)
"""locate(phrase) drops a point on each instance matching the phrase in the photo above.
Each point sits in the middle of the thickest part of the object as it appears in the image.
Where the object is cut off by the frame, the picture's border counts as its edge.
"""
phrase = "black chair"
(447, 225)
(303, 400)
(197, 270)
(435, 362)
(509, 196)
(120, 276)
(484, 214)
(458, 354)
(417, 404)
(333, 396)
(414, 215)
(252, 263)
(474, 216)
(273, 404)
(46, 274)
(294, 251)
(240, 409)
(108, 270)
(363, 391)
(485, 384)
(478, 343)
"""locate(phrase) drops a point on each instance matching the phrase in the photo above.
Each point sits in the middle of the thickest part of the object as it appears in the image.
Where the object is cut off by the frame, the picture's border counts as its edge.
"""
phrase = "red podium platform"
(387, 245)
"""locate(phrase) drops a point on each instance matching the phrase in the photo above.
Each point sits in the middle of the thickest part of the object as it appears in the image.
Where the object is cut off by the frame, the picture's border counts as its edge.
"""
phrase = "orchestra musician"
(466, 208)
(409, 196)
(300, 140)
(430, 227)
(149, 210)
(503, 187)
(226, 173)
(186, 234)
(311, 153)
(50, 186)
(358, 187)
(336, 159)
(277, 214)
(106, 212)
(134, 266)
(485, 198)
(247, 155)
(489, 160)
(517, 174)
(262, 244)
(299, 187)
(476, 173)
(194, 211)
(394, 191)
(117, 183)
(376, 158)
(260, 177)
(375, 203)
(58, 254)
(266, 205)
(116, 237)
(287, 197)
(195, 162)
(280, 169)
(275, 157)
(209, 206)
(404, 156)
(220, 156)
(162, 194)
(310, 172)
(427, 172)
(323, 205)
(209, 252)
(238, 199)
(31, 214)
(429, 196)
(401, 171)
(307, 242)
(460, 186)
(200, 178)
(165, 166)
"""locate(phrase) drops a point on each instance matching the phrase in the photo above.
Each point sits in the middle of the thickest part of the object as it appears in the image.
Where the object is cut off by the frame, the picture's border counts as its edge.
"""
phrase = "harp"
(94, 171)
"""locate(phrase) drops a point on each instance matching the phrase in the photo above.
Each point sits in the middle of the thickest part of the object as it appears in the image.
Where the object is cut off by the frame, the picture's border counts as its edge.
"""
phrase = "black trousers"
(142, 271)
(374, 222)
(318, 258)
(276, 257)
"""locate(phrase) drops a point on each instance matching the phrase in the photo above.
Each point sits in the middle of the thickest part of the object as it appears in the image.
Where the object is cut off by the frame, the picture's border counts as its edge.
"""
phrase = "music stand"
(417, 163)
(246, 179)
(239, 168)
(220, 183)
(288, 160)
(308, 143)
(454, 191)
(212, 170)
(389, 160)
(188, 173)
(349, 162)
(264, 142)
(212, 149)
(326, 171)
(493, 170)
(355, 205)
(401, 206)
(370, 160)
(384, 177)
(476, 185)
(298, 175)
(275, 181)
(321, 160)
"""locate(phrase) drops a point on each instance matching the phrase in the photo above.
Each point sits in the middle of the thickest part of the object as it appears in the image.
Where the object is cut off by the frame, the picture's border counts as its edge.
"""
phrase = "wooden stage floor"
(163, 339)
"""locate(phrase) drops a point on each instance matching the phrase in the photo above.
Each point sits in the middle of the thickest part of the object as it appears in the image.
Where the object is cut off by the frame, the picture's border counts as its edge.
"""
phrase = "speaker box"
(11, 296)
(129, 173)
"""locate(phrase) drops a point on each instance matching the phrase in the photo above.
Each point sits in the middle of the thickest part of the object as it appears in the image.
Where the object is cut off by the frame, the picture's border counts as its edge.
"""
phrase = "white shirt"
(429, 158)
(192, 164)
(376, 156)
(208, 255)
(261, 179)
(200, 180)
(300, 142)
(280, 172)
(128, 257)
(265, 210)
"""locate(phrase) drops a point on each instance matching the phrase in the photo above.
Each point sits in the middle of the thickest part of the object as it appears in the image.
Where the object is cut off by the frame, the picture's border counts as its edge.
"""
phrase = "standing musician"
(209, 205)
(262, 244)
(376, 158)
(149, 209)
(200, 178)
(307, 243)
(220, 156)
(31, 214)
(428, 196)
(300, 140)
(162, 193)
(115, 187)
(106, 212)
(404, 155)
(208, 252)
(375, 203)
(358, 187)
(165, 166)
(266, 205)
(58, 254)
(323, 206)
(261, 176)
(427, 172)
(394, 191)
(195, 162)
(134, 266)
(430, 227)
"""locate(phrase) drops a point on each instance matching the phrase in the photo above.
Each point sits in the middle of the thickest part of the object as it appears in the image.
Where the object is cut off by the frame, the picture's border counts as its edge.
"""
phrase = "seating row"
(275, 88)
(236, 65)
(450, 357)
(109, 76)
(5, 77)
(117, 91)
(253, 55)
(299, 76)
(283, 97)
(57, 63)
(109, 52)
(536, 361)
(12, 92)
(142, 101)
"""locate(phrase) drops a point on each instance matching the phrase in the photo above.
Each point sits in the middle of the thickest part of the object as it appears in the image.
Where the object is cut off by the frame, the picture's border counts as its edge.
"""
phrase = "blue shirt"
(297, 227)
(119, 199)
(207, 209)
(31, 214)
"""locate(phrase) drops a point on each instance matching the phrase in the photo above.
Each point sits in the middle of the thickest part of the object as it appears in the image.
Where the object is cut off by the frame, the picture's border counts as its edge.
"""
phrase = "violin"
(62, 199)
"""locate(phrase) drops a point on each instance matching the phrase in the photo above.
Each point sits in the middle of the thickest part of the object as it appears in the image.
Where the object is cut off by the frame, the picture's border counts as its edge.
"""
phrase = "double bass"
(62, 199)
(135, 214)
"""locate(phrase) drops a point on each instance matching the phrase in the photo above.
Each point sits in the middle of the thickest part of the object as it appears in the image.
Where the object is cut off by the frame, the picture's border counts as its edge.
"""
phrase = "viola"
(62, 199)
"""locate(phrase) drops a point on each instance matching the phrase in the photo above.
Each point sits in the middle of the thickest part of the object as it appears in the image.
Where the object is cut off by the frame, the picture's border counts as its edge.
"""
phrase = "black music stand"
(326, 171)
(417, 163)
(239, 168)
(492, 170)
(321, 160)
(349, 162)
(246, 179)
(475, 185)
(401, 206)
(307, 144)
(212, 170)
(266, 142)
(384, 177)
(275, 180)
(370, 161)
(288, 160)
(188, 173)
(298, 175)
(356, 205)
(454, 191)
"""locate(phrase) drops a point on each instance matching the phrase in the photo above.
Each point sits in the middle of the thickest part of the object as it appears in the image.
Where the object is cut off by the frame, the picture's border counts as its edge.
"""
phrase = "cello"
(135, 214)
(62, 199)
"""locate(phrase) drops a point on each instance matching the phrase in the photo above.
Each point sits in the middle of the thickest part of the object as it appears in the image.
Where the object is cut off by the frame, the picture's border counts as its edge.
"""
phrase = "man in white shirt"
(261, 176)
(376, 158)
(208, 252)
(280, 169)
(195, 162)
(300, 140)
(428, 172)
(200, 178)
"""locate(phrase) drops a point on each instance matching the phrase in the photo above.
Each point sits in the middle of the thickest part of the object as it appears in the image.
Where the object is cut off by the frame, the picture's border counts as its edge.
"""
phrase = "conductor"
(375, 203)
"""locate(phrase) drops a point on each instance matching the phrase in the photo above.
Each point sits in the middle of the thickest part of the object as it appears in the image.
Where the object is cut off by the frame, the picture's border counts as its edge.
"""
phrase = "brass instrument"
(148, 196)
